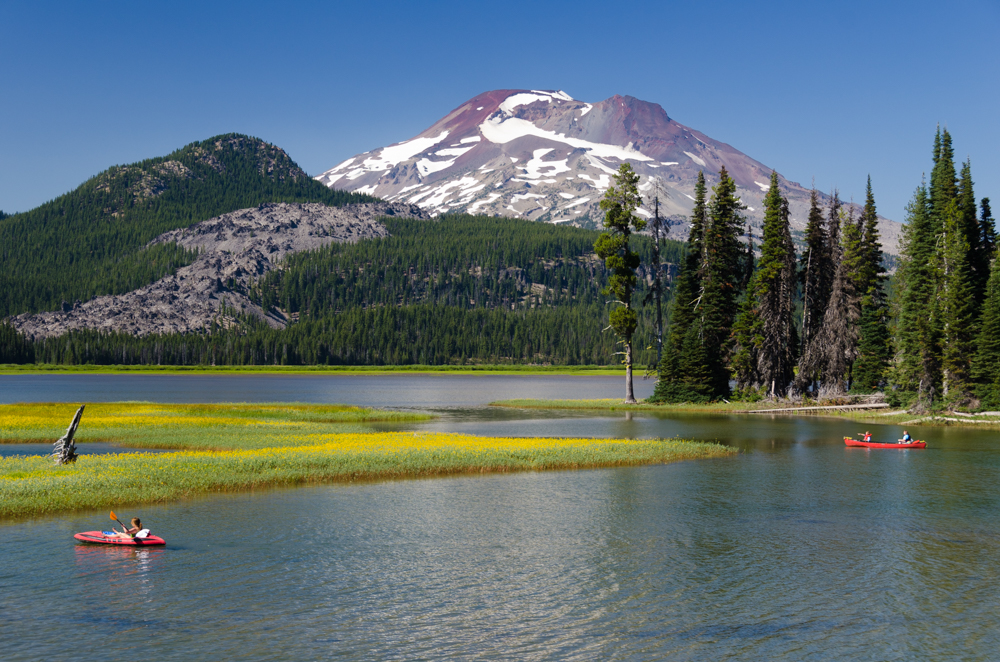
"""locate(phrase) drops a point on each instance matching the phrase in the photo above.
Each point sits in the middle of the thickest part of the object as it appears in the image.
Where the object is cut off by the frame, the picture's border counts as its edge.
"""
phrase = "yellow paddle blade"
(113, 516)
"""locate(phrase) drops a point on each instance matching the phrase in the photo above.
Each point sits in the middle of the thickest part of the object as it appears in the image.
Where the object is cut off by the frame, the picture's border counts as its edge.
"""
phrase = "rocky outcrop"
(237, 249)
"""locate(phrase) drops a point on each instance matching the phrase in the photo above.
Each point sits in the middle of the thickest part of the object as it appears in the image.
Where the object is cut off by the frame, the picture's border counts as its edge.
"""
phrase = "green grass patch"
(34, 486)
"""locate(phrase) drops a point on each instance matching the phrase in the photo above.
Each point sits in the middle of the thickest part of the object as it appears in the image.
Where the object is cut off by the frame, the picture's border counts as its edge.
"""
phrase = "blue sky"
(824, 92)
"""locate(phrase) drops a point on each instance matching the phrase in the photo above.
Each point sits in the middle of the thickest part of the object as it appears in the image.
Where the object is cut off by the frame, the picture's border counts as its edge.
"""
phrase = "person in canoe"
(906, 438)
(130, 531)
(867, 437)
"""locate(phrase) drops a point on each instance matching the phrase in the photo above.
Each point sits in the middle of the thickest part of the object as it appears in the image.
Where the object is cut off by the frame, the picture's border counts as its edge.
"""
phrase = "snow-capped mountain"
(542, 155)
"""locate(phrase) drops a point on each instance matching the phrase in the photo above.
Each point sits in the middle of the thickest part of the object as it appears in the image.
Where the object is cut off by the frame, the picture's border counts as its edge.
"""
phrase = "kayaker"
(906, 437)
(868, 436)
(130, 531)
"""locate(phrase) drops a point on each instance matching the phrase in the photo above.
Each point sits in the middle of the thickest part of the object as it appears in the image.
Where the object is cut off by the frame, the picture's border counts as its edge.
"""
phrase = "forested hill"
(91, 241)
(461, 289)
(460, 261)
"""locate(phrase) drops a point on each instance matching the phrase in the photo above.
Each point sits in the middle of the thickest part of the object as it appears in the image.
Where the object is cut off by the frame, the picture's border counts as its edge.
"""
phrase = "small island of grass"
(234, 447)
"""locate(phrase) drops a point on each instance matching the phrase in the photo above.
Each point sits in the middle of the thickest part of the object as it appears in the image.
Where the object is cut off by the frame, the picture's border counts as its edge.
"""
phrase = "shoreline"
(873, 413)
(50, 369)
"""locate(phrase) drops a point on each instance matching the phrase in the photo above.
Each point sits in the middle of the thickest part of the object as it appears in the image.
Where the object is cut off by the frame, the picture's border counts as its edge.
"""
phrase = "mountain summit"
(542, 155)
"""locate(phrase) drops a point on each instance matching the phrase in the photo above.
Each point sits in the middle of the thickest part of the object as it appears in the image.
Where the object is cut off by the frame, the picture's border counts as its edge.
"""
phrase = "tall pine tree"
(723, 276)
(915, 372)
(986, 365)
(694, 364)
(766, 338)
(814, 272)
(619, 205)
(957, 308)
(874, 350)
(683, 373)
(987, 231)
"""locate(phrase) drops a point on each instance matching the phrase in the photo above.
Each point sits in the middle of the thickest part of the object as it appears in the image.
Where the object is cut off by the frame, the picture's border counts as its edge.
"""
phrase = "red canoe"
(871, 444)
(100, 538)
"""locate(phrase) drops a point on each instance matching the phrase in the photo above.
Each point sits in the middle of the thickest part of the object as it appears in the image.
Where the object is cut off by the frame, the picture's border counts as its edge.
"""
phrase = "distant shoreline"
(875, 415)
(47, 369)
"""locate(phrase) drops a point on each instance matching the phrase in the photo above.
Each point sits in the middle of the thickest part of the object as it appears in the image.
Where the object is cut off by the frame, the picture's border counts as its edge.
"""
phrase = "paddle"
(115, 518)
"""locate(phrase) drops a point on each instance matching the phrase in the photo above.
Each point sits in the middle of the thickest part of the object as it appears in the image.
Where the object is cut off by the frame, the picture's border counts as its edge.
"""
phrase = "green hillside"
(90, 241)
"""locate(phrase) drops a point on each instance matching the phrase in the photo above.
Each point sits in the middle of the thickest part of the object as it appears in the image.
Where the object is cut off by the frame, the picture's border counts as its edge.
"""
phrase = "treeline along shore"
(829, 320)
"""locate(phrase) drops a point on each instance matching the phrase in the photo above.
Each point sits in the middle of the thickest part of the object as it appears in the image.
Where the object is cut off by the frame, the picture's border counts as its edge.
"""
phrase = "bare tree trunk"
(657, 282)
(64, 450)
(629, 394)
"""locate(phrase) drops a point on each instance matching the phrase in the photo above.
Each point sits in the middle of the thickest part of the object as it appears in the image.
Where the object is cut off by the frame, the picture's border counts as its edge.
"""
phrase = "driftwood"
(65, 448)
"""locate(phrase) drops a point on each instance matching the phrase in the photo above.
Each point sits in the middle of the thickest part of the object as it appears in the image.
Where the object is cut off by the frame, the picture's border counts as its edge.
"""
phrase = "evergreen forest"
(829, 321)
(456, 290)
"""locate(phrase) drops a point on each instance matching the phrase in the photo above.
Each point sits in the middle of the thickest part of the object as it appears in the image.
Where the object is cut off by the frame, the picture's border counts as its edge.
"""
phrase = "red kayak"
(871, 444)
(100, 538)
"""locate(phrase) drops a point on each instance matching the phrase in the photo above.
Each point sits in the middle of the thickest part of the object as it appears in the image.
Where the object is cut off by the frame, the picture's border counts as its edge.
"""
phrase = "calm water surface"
(797, 549)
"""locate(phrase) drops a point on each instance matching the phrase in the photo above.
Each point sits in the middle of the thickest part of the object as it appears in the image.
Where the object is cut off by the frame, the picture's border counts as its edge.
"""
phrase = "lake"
(799, 548)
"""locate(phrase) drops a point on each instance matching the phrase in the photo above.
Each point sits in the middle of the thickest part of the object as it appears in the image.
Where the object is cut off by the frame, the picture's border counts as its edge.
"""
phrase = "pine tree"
(916, 366)
(723, 275)
(957, 308)
(943, 187)
(656, 291)
(833, 351)
(765, 331)
(682, 370)
(833, 219)
(813, 270)
(987, 230)
(874, 352)
(826, 262)
(979, 255)
(619, 205)
(986, 365)
(705, 303)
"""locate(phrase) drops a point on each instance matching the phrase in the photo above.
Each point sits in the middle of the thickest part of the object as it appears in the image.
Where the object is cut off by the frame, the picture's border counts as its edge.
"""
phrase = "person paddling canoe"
(906, 438)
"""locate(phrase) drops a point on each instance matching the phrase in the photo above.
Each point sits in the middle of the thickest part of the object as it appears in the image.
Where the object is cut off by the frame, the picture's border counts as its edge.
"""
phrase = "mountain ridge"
(94, 240)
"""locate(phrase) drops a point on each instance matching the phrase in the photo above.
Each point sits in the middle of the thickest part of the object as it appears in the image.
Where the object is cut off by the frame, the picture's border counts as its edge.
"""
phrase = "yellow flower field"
(189, 426)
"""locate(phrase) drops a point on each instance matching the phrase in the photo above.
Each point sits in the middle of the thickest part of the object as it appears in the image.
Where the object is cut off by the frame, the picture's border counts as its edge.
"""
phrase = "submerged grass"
(32, 486)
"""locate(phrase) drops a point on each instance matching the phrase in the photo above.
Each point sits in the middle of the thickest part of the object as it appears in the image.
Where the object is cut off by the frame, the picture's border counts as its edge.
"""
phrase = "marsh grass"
(190, 426)
(32, 486)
